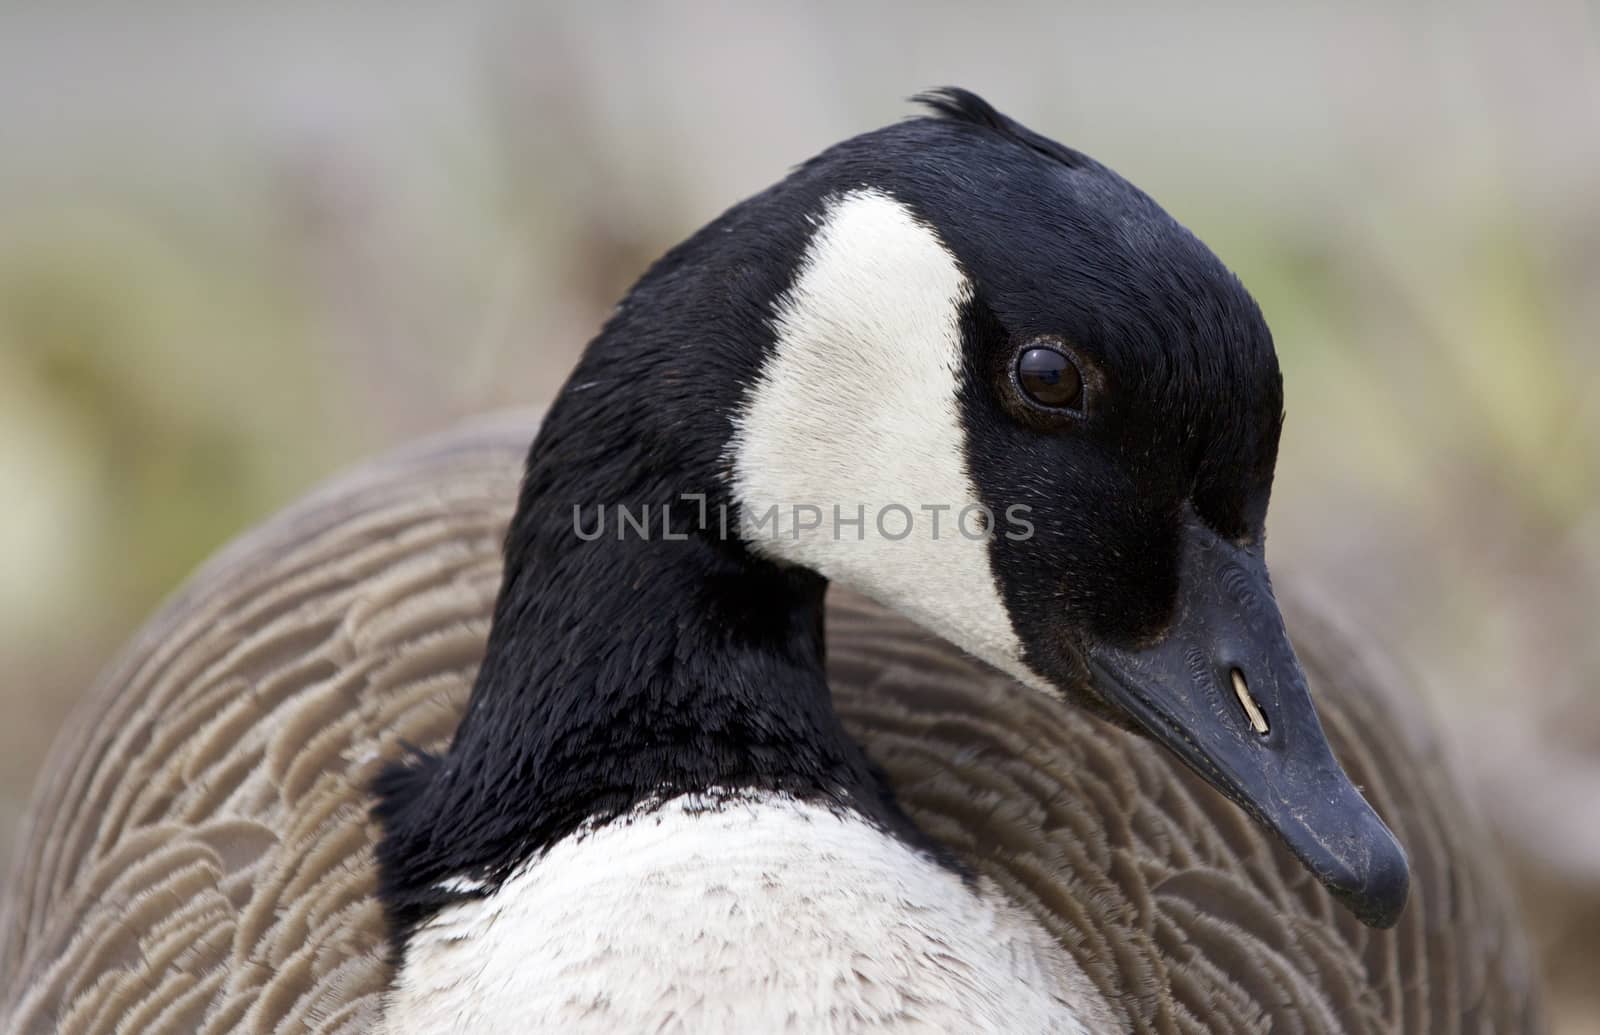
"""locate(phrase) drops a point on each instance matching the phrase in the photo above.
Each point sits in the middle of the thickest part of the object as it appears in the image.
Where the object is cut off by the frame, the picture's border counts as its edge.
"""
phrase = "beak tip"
(1376, 892)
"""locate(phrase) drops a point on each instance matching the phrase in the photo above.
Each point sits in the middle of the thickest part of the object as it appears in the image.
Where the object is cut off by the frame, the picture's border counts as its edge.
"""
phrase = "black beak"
(1223, 690)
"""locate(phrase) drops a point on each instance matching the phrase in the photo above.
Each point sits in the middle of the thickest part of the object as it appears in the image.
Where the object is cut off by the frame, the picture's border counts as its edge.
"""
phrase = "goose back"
(199, 857)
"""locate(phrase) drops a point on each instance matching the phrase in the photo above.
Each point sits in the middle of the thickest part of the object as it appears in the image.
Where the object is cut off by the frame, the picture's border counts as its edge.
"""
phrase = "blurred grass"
(238, 250)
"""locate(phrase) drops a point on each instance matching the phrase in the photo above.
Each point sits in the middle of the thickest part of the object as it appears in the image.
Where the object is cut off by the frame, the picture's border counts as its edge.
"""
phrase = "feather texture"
(199, 856)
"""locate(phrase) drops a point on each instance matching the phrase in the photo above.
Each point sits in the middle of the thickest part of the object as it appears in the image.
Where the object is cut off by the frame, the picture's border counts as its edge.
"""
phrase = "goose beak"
(1224, 691)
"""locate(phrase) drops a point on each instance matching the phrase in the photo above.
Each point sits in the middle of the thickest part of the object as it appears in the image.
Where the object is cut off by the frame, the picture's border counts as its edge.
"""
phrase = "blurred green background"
(241, 246)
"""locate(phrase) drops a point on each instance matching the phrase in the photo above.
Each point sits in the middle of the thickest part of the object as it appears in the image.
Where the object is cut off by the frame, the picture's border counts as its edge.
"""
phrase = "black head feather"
(618, 672)
(955, 104)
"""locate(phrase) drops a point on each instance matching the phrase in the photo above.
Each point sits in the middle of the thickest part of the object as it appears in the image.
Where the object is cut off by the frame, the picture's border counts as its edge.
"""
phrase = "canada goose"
(649, 812)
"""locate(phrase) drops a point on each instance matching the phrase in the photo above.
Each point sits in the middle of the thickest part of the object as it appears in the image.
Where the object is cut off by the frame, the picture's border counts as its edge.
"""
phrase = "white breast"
(763, 916)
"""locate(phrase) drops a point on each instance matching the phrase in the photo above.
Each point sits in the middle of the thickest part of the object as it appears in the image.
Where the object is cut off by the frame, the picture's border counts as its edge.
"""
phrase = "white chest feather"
(770, 916)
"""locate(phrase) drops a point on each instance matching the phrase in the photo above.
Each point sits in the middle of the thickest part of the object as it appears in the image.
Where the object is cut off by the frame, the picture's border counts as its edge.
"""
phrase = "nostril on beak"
(1252, 710)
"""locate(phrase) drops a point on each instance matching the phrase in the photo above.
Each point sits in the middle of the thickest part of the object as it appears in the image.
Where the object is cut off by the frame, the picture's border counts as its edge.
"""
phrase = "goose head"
(978, 376)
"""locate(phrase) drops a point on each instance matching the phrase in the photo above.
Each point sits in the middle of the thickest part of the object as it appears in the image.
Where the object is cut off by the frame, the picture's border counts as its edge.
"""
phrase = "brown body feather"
(199, 852)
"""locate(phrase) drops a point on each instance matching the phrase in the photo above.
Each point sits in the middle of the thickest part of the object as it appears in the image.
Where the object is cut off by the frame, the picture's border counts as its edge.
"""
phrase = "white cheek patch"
(857, 409)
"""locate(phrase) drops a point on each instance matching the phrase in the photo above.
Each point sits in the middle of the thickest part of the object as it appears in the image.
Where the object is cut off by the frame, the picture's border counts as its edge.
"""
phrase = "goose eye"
(1050, 379)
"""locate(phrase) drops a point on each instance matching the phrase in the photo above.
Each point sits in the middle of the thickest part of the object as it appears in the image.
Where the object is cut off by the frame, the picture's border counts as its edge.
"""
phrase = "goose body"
(199, 856)
(311, 793)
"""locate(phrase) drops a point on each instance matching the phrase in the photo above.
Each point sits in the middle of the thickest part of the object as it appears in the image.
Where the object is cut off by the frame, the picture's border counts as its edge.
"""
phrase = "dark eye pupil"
(1050, 378)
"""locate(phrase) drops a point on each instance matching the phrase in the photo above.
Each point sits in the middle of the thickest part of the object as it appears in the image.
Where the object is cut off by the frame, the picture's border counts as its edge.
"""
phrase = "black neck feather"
(624, 670)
